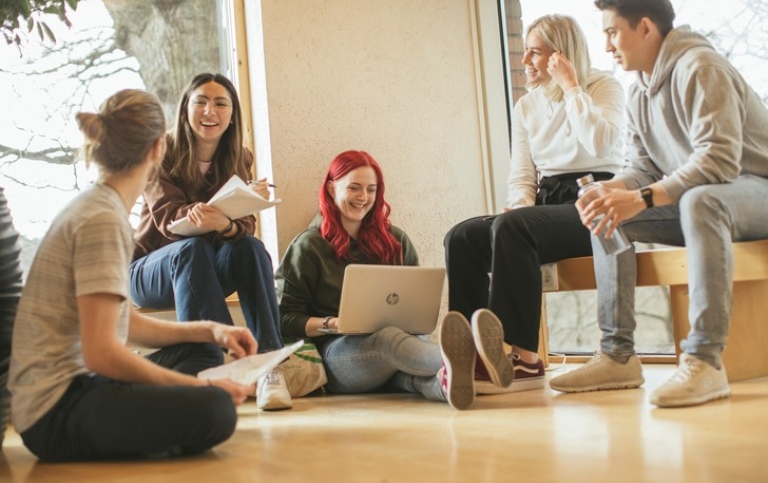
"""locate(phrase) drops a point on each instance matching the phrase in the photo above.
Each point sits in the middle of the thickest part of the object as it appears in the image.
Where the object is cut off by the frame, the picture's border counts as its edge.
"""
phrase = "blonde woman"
(568, 125)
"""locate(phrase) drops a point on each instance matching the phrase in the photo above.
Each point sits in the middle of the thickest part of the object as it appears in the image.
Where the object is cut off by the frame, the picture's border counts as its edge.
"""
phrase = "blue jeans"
(98, 418)
(706, 221)
(195, 277)
(389, 358)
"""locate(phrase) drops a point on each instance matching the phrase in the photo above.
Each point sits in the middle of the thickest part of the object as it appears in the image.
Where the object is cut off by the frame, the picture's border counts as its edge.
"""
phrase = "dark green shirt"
(309, 277)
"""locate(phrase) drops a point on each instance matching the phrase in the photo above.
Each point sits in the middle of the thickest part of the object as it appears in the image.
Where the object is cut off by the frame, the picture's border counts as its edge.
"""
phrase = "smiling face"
(535, 60)
(209, 112)
(354, 195)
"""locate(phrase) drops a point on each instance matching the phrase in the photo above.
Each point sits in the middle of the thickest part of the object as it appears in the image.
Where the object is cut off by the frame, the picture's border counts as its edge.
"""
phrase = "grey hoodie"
(695, 122)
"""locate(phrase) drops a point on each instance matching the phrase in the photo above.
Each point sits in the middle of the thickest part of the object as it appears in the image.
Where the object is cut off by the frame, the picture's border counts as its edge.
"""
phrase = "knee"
(194, 248)
(701, 203)
(509, 224)
(386, 336)
(465, 234)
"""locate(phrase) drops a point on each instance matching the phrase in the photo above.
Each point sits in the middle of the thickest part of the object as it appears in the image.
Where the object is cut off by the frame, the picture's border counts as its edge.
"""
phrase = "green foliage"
(21, 17)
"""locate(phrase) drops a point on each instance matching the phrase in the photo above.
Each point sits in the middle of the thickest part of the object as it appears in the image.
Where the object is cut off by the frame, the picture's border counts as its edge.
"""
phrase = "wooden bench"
(746, 352)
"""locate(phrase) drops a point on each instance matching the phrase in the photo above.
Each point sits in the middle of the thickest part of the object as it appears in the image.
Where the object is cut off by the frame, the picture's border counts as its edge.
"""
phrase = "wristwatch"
(647, 194)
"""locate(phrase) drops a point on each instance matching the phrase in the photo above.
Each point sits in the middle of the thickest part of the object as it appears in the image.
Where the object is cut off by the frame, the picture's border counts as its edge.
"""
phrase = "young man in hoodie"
(698, 154)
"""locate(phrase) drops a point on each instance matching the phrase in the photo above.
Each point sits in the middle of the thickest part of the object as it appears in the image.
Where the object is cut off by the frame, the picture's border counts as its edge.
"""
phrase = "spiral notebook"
(378, 296)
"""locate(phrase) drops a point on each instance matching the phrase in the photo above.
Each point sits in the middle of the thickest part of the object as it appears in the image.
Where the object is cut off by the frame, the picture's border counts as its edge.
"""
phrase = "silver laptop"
(378, 296)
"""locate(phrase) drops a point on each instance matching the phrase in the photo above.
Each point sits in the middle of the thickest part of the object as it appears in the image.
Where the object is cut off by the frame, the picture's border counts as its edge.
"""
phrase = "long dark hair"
(229, 157)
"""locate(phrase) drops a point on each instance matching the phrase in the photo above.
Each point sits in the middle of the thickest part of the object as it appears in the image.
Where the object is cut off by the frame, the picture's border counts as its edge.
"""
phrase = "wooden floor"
(539, 436)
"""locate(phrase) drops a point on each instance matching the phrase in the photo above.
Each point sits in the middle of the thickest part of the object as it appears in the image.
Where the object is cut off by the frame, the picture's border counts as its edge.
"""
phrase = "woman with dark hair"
(78, 392)
(353, 227)
(195, 274)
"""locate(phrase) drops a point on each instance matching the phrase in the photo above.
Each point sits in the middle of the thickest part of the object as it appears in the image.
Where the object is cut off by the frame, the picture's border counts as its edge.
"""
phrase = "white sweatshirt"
(581, 133)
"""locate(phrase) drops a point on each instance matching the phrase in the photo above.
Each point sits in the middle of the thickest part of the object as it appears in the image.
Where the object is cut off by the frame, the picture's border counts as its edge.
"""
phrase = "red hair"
(374, 237)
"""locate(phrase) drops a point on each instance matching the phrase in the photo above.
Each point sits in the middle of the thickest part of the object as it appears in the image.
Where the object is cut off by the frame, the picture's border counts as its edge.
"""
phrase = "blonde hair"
(126, 127)
(562, 34)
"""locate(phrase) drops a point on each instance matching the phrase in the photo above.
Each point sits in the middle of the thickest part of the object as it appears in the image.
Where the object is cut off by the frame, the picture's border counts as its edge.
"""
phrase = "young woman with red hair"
(353, 227)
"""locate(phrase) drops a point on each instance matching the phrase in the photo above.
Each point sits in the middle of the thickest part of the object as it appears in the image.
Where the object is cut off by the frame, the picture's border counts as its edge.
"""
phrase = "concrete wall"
(405, 80)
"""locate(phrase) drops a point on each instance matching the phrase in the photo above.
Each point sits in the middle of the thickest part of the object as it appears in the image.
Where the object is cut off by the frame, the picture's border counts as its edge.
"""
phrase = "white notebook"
(235, 199)
(378, 296)
(248, 370)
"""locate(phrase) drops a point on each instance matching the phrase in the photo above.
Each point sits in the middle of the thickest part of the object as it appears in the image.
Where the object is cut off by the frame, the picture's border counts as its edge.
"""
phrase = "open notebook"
(378, 296)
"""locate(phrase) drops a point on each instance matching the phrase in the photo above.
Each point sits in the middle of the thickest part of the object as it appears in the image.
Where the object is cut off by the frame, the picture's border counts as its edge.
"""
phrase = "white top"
(581, 133)
(87, 250)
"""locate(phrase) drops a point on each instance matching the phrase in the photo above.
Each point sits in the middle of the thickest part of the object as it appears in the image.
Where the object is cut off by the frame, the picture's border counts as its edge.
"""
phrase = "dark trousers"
(195, 277)
(10, 290)
(98, 418)
(494, 262)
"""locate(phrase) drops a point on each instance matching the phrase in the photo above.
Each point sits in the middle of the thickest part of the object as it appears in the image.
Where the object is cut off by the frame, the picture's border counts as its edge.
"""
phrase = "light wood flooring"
(540, 436)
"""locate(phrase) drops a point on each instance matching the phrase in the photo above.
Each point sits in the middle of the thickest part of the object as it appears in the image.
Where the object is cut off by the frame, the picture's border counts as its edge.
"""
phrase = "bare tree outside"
(102, 46)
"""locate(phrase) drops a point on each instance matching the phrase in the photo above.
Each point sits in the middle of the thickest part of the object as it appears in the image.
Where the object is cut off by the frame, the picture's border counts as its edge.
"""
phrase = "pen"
(268, 184)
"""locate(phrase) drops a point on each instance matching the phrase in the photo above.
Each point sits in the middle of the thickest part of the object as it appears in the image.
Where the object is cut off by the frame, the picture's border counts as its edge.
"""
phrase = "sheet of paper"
(248, 370)
(235, 199)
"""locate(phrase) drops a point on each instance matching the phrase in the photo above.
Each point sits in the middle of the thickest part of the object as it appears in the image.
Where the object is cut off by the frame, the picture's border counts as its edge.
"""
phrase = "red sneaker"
(528, 376)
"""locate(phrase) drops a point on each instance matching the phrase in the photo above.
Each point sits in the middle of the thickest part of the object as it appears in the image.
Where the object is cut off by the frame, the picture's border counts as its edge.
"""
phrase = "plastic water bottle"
(588, 191)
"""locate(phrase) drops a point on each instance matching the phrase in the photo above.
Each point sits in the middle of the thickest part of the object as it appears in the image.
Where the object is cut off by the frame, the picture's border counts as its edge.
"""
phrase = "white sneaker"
(694, 382)
(272, 392)
(601, 373)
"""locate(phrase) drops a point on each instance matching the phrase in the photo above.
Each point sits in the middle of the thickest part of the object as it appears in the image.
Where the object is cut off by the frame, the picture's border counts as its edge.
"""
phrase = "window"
(47, 84)
(738, 33)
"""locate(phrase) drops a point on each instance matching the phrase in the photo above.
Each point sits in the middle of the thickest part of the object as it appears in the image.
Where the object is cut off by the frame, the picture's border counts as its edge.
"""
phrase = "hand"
(239, 340)
(615, 204)
(238, 392)
(261, 188)
(562, 71)
(208, 217)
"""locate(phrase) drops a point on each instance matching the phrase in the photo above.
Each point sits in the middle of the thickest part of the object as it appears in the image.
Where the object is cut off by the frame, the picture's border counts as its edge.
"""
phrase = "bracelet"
(325, 321)
(228, 228)
(209, 382)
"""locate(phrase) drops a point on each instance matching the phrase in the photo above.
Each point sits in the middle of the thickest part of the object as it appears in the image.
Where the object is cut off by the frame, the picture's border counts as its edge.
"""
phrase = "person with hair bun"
(194, 275)
(78, 392)
(353, 227)
(567, 126)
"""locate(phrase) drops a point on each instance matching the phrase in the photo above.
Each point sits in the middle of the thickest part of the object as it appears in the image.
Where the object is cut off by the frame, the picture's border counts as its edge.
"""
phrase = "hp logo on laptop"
(393, 299)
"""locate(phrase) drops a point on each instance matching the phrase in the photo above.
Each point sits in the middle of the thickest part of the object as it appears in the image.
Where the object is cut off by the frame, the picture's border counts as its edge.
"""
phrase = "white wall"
(401, 79)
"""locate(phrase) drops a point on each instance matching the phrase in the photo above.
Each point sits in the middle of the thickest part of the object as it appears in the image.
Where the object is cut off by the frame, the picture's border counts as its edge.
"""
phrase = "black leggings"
(98, 418)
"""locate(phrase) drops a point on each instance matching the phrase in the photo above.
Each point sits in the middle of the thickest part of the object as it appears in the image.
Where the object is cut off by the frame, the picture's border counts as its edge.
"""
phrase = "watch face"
(647, 195)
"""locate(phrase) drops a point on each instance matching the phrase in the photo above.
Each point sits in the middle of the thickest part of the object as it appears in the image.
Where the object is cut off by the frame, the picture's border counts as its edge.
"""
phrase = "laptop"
(378, 296)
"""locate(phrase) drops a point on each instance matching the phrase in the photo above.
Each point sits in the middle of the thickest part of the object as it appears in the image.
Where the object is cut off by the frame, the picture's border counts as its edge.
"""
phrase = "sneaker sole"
(458, 351)
(609, 386)
(689, 401)
(489, 340)
(483, 388)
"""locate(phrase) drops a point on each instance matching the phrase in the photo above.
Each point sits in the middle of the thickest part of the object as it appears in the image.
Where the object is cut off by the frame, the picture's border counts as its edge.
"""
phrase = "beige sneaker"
(694, 382)
(600, 373)
(272, 393)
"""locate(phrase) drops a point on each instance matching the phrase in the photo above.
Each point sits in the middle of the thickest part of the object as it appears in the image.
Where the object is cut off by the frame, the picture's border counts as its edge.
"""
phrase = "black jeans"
(98, 418)
(495, 262)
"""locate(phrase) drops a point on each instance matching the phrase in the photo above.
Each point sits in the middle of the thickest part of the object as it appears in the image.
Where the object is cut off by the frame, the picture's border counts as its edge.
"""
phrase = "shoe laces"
(688, 369)
(272, 377)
